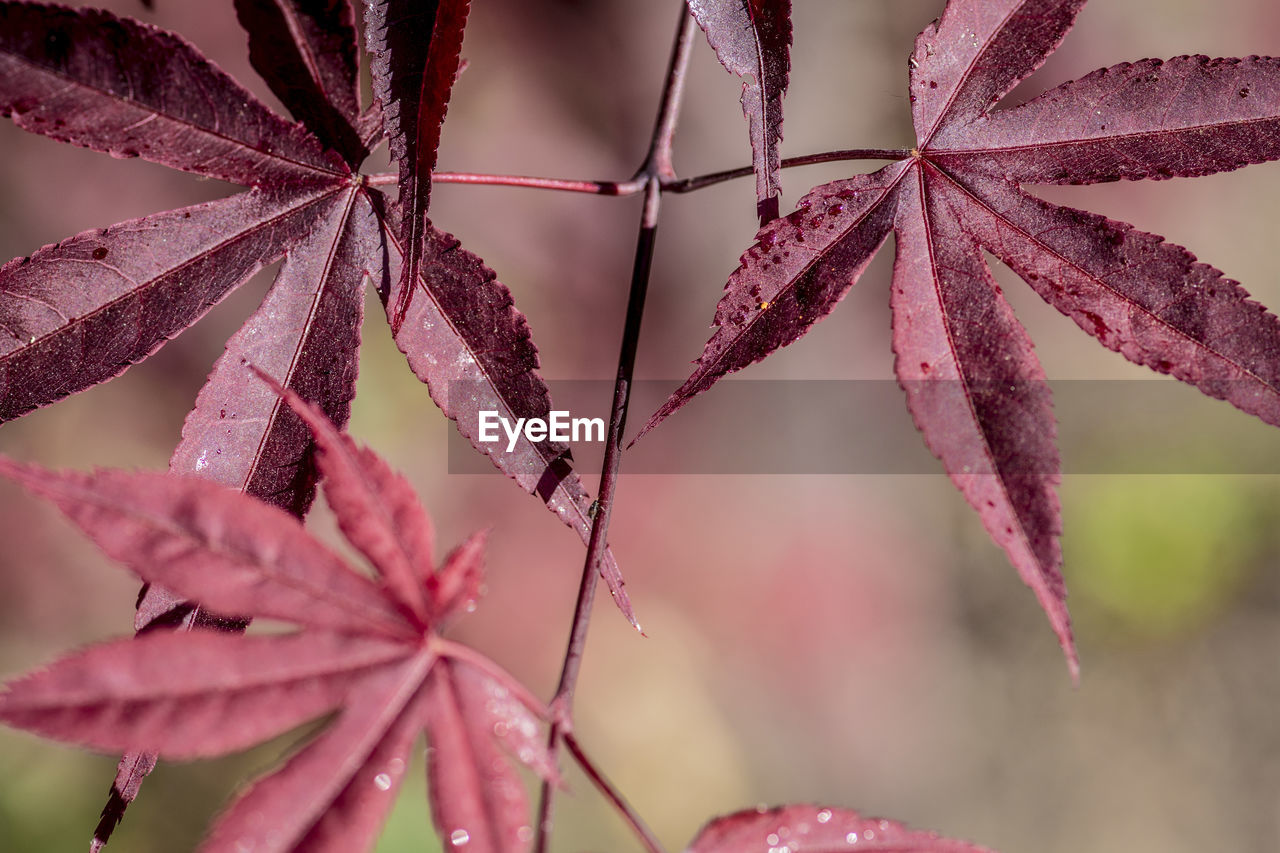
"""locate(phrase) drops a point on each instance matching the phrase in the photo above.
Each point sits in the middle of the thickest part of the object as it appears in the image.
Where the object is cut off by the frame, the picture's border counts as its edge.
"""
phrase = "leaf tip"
(657, 418)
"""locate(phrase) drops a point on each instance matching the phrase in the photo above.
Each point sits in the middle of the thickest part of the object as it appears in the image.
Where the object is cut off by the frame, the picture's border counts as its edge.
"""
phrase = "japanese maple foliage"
(372, 651)
(218, 540)
(974, 385)
(80, 312)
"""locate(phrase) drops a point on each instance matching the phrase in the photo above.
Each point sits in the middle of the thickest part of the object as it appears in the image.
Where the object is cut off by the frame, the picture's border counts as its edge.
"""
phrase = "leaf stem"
(642, 832)
(656, 167)
(636, 185)
(631, 187)
(686, 185)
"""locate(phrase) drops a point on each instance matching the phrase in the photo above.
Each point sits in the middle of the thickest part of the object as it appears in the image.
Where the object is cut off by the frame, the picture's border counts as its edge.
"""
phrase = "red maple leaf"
(973, 383)
(84, 310)
(816, 829)
(370, 650)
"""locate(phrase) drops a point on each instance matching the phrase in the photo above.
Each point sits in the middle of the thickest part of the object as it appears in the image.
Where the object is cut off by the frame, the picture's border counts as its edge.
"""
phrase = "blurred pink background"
(846, 640)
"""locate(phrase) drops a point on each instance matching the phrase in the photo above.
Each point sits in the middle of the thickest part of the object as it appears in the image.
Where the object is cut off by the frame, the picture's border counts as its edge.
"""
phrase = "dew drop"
(824, 815)
(382, 781)
(459, 837)
(772, 839)
(99, 253)
(525, 833)
(870, 834)
(851, 838)
(835, 209)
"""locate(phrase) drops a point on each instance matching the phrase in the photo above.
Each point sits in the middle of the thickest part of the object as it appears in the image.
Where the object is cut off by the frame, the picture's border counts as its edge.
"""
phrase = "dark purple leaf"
(752, 39)
(1184, 117)
(307, 335)
(464, 338)
(798, 269)
(133, 90)
(973, 384)
(964, 63)
(976, 389)
(82, 311)
(306, 51)
(307, 332)
(1138, 295)
(416, 46)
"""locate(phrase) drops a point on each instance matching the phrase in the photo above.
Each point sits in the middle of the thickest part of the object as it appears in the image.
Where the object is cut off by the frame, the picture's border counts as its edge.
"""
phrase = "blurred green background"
(852, 640)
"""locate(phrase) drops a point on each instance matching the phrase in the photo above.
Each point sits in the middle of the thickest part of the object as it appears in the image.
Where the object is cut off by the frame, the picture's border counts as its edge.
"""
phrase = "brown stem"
(656, 167)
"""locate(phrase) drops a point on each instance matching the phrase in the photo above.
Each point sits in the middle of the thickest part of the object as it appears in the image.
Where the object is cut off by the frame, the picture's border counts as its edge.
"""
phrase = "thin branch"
(656, 166)
(631, 187)
(687, 185)
(670, 183)
(613, 795)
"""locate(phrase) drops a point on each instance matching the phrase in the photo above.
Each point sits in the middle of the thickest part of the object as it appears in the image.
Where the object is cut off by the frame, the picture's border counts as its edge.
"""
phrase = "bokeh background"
(845, 640)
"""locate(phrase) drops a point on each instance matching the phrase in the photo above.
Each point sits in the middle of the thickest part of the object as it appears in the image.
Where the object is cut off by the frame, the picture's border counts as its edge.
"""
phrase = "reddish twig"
(668, 181)
(656, 167)
(614, 796)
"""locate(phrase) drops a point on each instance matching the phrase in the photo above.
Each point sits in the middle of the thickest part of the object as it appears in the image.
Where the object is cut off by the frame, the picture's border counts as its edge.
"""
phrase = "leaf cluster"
(218, 540)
